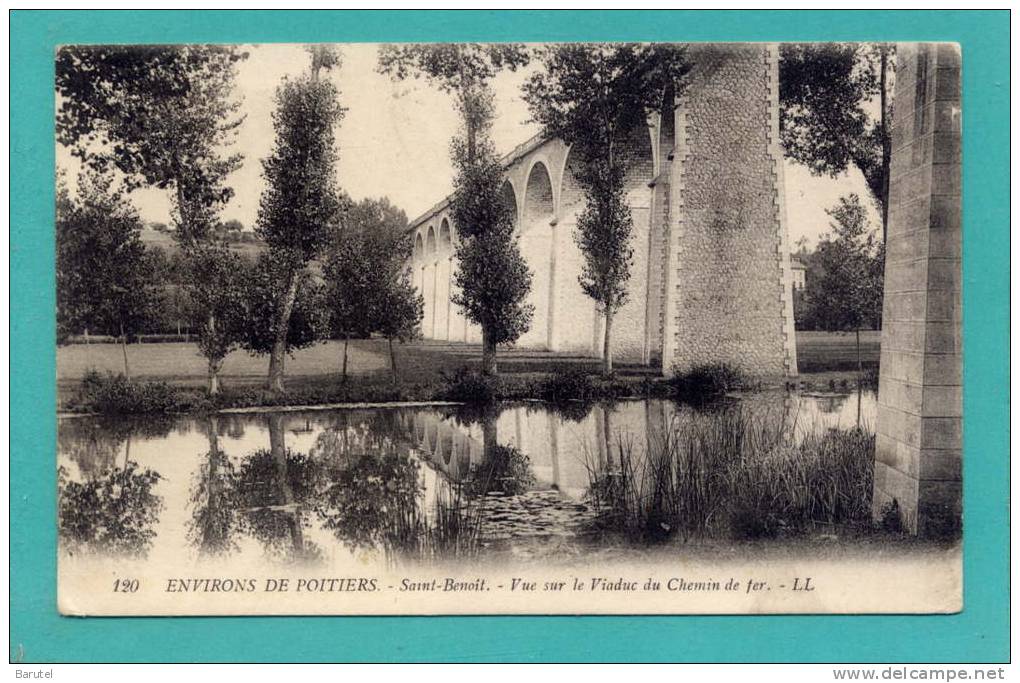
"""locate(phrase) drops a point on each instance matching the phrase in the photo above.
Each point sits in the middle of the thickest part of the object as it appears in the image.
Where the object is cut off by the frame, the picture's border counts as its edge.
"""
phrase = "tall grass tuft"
(738, 473)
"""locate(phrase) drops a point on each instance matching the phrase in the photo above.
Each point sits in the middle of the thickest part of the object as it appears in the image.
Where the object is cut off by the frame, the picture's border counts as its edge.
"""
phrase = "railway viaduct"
(711, 278)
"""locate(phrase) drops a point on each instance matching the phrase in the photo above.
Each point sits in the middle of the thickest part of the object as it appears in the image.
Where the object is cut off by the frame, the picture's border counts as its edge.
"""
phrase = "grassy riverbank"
(170, 377)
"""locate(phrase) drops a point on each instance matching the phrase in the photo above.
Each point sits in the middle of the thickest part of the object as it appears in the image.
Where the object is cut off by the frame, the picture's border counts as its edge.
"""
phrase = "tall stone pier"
(918, 440)
(729, 283)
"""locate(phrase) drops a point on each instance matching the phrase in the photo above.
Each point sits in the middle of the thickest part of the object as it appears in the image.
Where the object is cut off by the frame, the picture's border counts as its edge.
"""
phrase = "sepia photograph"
(508, 328)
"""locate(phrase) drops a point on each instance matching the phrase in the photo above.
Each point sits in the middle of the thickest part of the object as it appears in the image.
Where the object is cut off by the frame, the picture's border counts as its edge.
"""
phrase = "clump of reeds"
(451, 532)
(736, 472)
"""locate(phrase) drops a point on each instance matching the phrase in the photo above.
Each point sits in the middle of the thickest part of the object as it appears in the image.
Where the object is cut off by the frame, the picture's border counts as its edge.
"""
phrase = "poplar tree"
(596, 97)
(301, 205)
(492, 277)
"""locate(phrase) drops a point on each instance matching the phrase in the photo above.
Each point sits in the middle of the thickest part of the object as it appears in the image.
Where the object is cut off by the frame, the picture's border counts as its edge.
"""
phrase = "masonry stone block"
(918, 463)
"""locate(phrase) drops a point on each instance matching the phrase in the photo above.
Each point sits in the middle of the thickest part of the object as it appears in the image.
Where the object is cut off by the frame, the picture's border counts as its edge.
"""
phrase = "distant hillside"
(165, 241)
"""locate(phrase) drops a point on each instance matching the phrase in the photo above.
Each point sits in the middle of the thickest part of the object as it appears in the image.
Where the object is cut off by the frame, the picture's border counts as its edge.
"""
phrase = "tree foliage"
(596, 98)
(216, 296)
(367, 280)
(104, 273)
(492, 278)
(827, 116)
(162, 115)
(451, 67)
(367, 283)
(112, 513)
(844, 285)
(263, 287)
(301, 204)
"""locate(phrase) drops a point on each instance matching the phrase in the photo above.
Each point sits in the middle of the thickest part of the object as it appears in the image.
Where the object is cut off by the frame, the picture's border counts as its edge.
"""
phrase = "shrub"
(570, 384)
(869, 379)
(505, 470)
(706, 382)
(114, 393)
(468, 387)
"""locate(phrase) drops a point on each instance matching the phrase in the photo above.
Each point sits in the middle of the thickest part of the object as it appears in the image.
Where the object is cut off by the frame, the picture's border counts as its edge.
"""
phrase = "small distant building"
(798, 270)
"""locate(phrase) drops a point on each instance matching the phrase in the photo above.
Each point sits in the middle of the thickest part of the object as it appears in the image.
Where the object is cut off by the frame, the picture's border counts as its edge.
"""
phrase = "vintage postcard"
(495, 328)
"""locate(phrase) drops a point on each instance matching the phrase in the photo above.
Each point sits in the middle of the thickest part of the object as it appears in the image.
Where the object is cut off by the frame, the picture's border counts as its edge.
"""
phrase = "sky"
(394, 141)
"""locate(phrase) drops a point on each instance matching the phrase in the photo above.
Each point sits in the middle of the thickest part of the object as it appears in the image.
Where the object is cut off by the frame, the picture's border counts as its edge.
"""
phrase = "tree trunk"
(214, 378)
(860, 371)
(859, 393)
(88, 351)
(343, 370)
(279, 351)
(886, 142)
(214, 365)
(123, 348)
(489, 367)
(607, 346)
(393, 362)
(278, 450)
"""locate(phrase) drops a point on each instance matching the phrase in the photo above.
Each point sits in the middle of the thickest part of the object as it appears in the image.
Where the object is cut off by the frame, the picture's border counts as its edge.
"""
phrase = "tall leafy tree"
(397, 305)
(368, 287)
(595, 97)
(162, 115)
(104, 273)
(216, 297)
(301, 205)
(350, 290)
(492, 277)
(264, 284)
(844, 288)
(828, 96)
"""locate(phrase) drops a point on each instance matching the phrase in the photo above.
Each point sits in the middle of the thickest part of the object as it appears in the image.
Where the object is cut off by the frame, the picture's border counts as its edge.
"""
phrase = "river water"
(314, 486)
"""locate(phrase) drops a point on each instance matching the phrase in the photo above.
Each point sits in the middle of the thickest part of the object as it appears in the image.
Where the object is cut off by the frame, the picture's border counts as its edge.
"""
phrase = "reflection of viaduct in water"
(561, 450)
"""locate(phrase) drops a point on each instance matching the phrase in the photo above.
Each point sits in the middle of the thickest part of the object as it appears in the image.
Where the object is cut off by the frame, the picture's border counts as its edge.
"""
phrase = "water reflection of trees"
(214, 518)
(94, 444)
(371, 500)
(111, 507)
(272, 488)
(112, 513)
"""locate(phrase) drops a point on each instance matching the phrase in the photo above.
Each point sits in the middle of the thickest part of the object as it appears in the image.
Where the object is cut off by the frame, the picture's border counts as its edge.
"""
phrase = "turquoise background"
(979, 633)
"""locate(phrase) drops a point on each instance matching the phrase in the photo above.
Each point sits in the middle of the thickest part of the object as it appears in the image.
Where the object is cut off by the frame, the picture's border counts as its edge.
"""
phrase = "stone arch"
(430, 242)
(538, 246)
(509, 196)
(445, 238)
(640, 159)
(428, 290)
(419, 247)
(580, 321)
(444, 273)
(538, 195)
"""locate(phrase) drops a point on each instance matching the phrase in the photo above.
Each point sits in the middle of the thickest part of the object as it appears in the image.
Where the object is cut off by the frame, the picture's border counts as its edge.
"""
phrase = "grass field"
(834, 351)
(181, 363)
